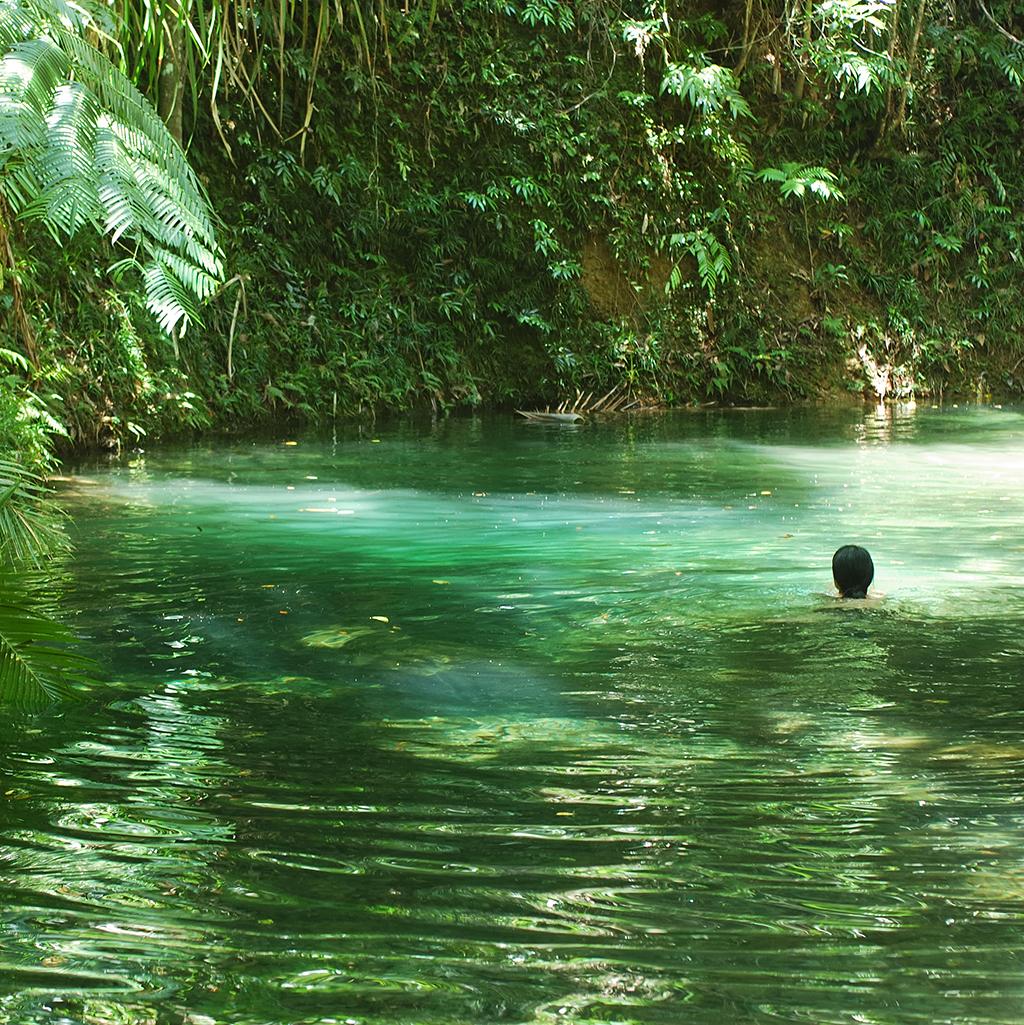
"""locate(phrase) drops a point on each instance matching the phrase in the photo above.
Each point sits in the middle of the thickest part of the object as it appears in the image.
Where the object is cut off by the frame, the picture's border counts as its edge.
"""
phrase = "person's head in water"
(853, 571)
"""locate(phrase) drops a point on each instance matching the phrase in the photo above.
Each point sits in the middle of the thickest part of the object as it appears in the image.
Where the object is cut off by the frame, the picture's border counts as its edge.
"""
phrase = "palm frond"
(37, 662)
(29, 528)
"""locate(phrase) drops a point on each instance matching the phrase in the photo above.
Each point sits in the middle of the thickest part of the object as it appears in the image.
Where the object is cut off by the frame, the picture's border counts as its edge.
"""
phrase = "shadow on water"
(493, 724)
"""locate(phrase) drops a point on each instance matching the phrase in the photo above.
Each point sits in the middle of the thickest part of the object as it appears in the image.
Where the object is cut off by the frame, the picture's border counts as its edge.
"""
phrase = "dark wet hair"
(853, 571)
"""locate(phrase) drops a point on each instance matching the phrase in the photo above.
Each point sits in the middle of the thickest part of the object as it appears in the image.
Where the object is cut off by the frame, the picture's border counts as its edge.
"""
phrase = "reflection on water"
(503, 723)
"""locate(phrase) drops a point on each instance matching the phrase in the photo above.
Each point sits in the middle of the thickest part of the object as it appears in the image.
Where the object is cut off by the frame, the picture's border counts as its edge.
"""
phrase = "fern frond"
(166, 297)
(80, 146)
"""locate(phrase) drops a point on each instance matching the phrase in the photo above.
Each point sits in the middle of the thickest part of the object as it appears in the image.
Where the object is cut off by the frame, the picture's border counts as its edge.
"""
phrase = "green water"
(612, 757)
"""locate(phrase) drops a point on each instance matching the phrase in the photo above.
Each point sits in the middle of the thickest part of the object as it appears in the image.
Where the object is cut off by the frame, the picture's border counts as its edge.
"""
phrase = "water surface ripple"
(484, 722)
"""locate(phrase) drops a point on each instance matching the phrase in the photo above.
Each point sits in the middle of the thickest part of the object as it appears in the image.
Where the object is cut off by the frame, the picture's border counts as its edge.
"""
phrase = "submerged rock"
(336, 636)
(384, 648)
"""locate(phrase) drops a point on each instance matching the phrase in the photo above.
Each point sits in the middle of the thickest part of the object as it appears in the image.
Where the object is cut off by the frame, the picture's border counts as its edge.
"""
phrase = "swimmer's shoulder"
(832, 601)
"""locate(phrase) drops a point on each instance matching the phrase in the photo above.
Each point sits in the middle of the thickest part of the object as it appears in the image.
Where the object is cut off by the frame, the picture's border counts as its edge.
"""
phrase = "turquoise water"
(488, 722)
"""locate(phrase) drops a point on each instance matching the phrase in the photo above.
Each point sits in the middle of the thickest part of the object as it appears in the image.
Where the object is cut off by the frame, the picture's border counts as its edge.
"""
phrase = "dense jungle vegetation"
(497, 202)
(390, 204)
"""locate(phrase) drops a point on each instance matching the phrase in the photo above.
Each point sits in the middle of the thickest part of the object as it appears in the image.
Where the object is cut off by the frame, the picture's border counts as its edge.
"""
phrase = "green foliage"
(38, 662)
(797, 180)
(848, 50)
(27, 428)
(709, 89)
(28, 530)
(714, 264)
(550, 13)
(440, 207)
(80, 146)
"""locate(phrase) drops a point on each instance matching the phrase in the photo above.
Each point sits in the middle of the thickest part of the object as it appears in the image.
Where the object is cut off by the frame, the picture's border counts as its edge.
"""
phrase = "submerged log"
(541, 416)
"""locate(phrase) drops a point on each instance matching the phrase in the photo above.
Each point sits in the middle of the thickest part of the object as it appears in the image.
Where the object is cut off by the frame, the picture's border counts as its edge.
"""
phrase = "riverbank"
(840, 409)
(108, 403)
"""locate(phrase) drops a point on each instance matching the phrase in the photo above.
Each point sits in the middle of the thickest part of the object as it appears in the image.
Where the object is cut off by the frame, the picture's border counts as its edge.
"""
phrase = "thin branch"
(1002, 31)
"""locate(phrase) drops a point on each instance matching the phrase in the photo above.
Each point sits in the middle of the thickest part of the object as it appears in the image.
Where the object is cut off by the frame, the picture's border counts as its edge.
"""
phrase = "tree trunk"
(901, 110)
(801, 81)
(172, 79)
(745, 47)
(894, 35)
(19, 316)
